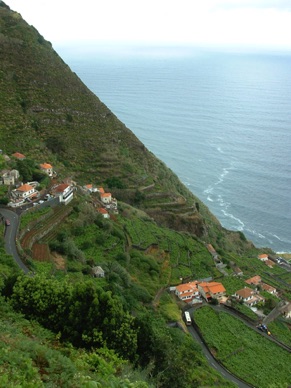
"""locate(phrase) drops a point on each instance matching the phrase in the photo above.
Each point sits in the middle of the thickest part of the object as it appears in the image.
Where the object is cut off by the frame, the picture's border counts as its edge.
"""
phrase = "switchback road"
(10, 237)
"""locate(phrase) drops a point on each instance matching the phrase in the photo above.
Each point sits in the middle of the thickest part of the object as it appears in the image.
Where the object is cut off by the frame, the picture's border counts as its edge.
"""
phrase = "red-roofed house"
(105, 197)
(18, 156)
(263, 257)
(187, 291)
(101, 190)
(47, 168)
(104, 212)
(256, 280)
(89, 187)
(25, 191)
(211, 290)
(212, 251)
(65, 192)
(268, 288)
(249, 296)
(269, 263)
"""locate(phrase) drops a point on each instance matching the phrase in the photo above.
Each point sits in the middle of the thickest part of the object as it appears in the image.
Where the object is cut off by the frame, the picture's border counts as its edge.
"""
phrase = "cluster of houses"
(27, 192)
(265, 259)
(197, 291)
(107, 203)
(193, 291)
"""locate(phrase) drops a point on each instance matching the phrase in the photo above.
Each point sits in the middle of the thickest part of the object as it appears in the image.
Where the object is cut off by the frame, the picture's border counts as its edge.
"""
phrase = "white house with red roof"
(268, 288)
(65, 192)
(263, 257)
(104, 212)
(187, 291)
(249, 296)
(106, 198)
(47, 168)
(25, 191)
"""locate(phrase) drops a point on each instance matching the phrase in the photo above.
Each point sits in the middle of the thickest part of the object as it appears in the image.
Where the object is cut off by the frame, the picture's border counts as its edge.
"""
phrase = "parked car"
(7, 222)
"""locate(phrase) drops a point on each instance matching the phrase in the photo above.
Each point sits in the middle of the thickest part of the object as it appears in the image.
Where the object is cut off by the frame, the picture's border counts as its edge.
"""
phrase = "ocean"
(220, 120)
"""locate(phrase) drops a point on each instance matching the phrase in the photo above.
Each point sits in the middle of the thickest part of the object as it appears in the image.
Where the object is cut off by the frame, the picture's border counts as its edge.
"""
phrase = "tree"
(43, 299)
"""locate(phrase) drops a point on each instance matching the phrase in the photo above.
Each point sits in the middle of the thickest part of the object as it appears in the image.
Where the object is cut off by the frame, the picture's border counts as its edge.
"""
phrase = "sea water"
(220, 120)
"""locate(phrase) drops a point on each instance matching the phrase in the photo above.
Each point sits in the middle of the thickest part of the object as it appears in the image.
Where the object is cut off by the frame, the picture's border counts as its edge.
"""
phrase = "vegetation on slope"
(158, 237)
(243, 351)
(47, 113)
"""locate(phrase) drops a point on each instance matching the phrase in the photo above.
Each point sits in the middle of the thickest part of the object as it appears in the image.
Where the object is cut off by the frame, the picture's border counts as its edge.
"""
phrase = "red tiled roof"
(267, 287)
(101, 190)
(263, 256)
(187, 286)
(62, 187)
(254, 280)
(212, 287)
(102, 210)
(25, 187)
(105, 195)
(245, 292)
(46, 166)
(18, 155)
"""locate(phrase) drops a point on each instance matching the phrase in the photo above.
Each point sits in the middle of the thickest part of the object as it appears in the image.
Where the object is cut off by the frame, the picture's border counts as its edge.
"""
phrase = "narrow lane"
(213, 363)
(10, 237)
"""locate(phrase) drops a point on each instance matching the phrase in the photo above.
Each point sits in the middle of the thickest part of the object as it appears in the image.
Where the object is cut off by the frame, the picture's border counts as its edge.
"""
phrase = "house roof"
(89, 186)
(25, 187)
(101, 190)
(98, 270)
(267, 287)
(105, 195)
(245, 292)
(46, 166)
(62, 187)
(270, 263)
(187, 286)
(237, 270)
(263, 256)
(102, 210)
(212, 287)
(254, 280)
(18, 155)
(210, 248)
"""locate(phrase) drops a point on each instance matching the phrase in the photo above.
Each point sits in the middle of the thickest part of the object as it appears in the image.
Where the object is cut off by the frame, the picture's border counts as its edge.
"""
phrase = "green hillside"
(48, 114)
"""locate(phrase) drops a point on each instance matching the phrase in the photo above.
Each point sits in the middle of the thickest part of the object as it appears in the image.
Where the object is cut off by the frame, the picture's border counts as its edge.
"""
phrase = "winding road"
(10, 237)
(213, 362)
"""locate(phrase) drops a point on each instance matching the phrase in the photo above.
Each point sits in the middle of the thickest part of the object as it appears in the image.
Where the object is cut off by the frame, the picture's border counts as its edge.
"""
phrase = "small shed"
(98, 272)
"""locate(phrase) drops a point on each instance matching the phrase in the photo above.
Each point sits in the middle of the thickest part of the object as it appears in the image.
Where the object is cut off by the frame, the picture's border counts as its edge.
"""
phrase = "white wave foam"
(278, 238)
(209, 190)
(241, 225)
(209, 198)
(258, 234)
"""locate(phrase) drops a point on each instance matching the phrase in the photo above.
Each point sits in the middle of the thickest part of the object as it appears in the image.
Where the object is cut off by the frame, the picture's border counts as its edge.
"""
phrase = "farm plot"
(243, 351)
(41, 252)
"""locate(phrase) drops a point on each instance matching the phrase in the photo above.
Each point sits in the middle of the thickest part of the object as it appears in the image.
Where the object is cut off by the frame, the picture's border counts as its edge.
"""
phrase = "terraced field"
(44, 226)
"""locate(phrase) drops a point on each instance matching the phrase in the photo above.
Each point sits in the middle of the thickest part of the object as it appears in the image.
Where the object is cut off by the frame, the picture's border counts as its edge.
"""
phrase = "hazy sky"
(264, 23)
